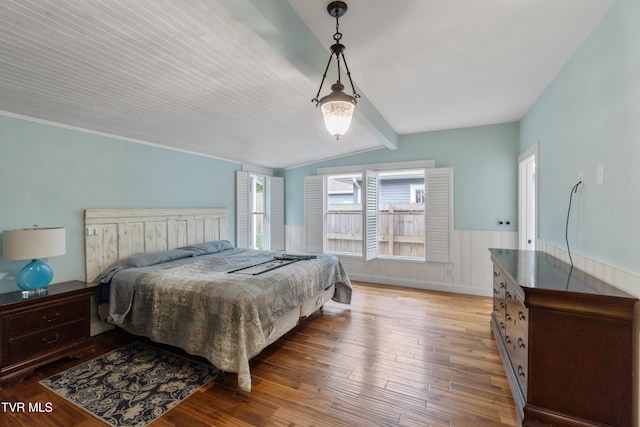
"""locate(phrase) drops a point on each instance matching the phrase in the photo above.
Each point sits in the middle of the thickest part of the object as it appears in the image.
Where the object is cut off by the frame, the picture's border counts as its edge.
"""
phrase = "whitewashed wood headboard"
(113, 234)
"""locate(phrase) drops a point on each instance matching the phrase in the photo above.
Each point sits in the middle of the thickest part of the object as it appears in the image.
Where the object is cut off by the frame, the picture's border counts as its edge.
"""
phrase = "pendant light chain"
(324, 76)
(337, 107)
(353, 88)
(338, 35)
(340, 53)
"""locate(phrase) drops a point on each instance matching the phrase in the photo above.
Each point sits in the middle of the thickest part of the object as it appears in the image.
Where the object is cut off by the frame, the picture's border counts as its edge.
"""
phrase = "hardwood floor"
(394, 357)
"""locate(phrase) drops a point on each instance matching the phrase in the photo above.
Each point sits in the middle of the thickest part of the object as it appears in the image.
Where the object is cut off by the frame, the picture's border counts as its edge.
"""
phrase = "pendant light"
(337, 107)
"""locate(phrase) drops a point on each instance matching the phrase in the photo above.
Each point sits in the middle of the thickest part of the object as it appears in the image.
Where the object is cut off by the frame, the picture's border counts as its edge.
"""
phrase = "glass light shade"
(34, 243)
(337, 110)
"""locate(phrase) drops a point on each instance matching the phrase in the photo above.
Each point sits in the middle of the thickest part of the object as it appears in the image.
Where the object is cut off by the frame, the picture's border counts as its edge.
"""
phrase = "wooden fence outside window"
(400, 229)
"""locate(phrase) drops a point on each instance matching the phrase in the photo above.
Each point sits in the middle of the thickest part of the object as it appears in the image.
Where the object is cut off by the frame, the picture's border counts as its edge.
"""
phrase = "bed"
(171, 275)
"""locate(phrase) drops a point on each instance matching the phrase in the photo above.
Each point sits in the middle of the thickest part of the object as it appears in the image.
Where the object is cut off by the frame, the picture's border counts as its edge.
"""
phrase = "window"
(257, 205)
(401, 213)
(390, 212)
(259, 211)
(344, 214)
(417, 193)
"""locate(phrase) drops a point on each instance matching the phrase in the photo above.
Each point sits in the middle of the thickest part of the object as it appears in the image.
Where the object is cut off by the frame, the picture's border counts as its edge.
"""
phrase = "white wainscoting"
(469, 273)
(622, 279)
(293, 235)
(471, 270)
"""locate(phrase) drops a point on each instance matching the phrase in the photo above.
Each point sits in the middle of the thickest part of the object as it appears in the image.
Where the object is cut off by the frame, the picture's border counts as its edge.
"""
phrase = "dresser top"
(539, 270)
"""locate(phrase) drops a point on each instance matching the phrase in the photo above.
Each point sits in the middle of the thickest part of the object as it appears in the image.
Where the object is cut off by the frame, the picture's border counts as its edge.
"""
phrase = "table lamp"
(33, 243)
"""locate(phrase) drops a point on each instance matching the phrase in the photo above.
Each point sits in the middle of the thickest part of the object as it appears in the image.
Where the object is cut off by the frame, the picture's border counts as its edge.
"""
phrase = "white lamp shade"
(33, 243)
(337, 110)
(337, 116)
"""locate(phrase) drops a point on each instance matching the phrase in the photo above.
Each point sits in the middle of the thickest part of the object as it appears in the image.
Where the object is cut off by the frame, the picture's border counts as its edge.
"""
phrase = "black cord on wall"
(566, 230)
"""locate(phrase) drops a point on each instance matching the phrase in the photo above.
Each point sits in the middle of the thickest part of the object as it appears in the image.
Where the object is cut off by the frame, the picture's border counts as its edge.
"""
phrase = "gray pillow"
(209, 247)
(141, 260)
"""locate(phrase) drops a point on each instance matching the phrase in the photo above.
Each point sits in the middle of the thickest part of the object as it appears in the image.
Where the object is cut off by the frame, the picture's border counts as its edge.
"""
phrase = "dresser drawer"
(499, 282)
(499, 303)
(519, 314)
(520, 361)
(47, 317)
(46, 340)
(517, 320)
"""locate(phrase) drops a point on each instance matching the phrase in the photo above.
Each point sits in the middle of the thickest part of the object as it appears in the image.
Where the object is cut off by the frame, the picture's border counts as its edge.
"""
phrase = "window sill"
(413, 260)
(401, 258)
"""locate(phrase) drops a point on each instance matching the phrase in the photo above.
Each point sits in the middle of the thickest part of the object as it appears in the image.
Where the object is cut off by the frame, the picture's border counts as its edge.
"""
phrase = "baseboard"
(429, 286)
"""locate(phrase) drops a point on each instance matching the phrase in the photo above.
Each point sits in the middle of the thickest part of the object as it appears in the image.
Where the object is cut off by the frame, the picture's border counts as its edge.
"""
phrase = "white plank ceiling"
(234, 78)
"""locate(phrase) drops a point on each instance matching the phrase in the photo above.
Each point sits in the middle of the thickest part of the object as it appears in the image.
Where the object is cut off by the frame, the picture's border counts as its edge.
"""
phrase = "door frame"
(527, 211)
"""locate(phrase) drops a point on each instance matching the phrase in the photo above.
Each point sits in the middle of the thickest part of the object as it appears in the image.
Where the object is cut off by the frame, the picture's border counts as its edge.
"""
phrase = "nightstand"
(44, 328)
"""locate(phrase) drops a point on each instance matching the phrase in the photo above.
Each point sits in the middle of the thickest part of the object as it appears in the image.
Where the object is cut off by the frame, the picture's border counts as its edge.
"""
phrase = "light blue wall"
(484, 159)
(49, 175)
(588, 117)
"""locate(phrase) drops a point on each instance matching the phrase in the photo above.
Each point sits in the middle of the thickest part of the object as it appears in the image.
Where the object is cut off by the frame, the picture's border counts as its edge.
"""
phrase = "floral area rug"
(132, 385)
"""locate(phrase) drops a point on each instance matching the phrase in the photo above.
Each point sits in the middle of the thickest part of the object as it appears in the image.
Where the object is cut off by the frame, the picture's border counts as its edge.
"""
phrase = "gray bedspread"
(195, 304)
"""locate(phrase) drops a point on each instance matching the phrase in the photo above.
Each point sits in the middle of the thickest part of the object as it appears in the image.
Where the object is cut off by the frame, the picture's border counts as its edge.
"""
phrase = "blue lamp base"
(34, 278)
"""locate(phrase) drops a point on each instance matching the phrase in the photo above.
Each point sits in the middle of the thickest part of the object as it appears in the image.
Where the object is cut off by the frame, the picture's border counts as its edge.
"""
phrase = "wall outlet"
(581, 179)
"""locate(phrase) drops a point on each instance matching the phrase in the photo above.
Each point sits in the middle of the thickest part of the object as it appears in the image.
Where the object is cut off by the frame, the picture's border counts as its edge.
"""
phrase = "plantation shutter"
(276, 213)
(371, 215)
(314, 213)
(243, 227)
(439, 214)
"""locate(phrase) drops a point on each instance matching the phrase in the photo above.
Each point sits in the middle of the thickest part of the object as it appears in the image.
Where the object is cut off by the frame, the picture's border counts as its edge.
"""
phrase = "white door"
(527, 201)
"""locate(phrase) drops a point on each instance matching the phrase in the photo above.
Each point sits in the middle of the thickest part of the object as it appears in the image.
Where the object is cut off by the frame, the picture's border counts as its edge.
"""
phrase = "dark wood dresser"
(565, 339)
(41, 329)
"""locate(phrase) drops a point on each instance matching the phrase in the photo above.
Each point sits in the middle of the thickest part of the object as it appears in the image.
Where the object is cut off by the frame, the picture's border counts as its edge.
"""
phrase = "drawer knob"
(521, 343)
(521, 371)
(51, 341)
(51, 320)
(521, 316)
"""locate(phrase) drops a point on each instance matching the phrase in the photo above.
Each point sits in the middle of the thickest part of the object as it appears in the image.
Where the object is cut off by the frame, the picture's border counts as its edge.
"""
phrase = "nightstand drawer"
(47, 317)
(44, 328)
(46, 340)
